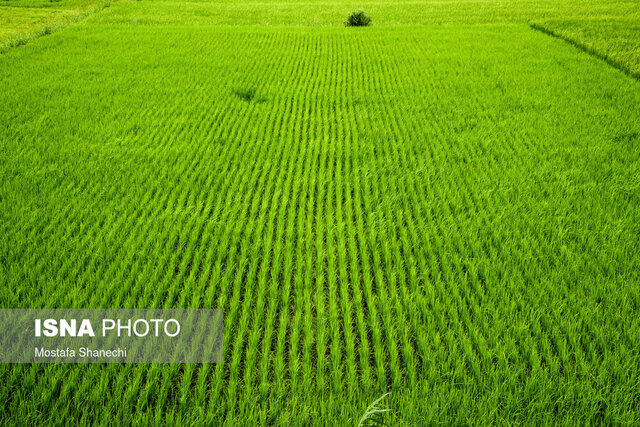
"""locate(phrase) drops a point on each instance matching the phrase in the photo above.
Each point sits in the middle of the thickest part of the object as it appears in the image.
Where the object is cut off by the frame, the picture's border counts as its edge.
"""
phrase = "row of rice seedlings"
(268, 267)
(79, 371)
(401, 248)
(188, 372)
(367, 337)
(259, 210)
(539, 339)
(254, 374)
(389, 319)
(473, 303)
(301, 293)
(284, 295)
(343, 369)
(418, 278)
(338, 336)
(295, 136)
(218, 387)
(135, 216)
(396, 130)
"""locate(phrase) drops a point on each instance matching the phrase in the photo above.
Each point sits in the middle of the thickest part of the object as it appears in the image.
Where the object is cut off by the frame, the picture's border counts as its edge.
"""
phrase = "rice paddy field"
(444, 207)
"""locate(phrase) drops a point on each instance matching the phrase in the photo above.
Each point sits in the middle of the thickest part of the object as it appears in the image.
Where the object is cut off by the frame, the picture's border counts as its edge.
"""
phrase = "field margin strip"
(538, 26)
(53, 27)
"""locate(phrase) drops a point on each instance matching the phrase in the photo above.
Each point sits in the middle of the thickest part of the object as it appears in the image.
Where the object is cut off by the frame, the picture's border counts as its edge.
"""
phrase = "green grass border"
(50, 28)
(583, 47)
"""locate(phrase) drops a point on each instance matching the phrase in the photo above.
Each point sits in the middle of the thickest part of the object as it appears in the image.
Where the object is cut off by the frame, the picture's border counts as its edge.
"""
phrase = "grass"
(614, 40)
(22, 20)
(385, 13)
(447, 213)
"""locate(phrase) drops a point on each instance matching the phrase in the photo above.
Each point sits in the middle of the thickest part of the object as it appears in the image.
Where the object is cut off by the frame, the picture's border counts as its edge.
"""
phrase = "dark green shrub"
(358, 19)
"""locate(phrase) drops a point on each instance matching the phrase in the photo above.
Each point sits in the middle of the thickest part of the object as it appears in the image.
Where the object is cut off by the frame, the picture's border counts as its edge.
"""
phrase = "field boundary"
(583, 47)
(53, 27)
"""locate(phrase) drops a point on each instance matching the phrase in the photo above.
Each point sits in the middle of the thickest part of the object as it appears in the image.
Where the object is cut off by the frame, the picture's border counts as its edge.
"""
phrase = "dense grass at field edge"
(614, 40)
(333, 13)
(24, 21)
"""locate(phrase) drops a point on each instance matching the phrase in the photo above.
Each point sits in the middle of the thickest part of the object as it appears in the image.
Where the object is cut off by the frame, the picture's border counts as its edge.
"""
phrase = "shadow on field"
(248, 95)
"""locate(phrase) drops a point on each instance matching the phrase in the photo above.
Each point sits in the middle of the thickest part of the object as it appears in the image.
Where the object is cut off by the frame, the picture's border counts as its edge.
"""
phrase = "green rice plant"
(411, 210)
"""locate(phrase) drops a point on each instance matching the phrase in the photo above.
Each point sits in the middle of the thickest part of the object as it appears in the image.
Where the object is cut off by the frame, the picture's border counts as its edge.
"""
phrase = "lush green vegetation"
(24, 20)
(358, 18)
(437, 207)
(384, 13)
(614, 40)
